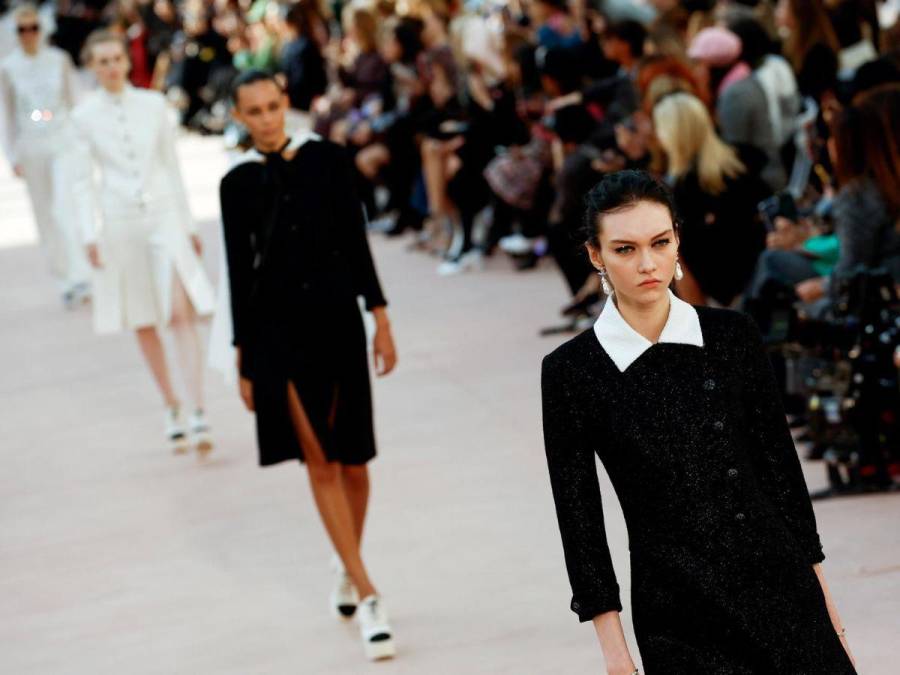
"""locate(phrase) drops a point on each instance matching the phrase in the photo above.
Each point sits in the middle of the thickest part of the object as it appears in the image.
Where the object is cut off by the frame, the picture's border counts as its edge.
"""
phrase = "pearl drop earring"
(679, 273)
(604, 281)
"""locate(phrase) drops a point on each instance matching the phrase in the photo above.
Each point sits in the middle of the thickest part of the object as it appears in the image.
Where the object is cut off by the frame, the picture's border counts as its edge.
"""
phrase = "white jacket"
(36, 95)
(127, 136)
(139, 216)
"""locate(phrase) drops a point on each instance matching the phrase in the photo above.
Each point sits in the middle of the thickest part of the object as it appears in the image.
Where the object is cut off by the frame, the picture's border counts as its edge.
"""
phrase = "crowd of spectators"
(479, 126)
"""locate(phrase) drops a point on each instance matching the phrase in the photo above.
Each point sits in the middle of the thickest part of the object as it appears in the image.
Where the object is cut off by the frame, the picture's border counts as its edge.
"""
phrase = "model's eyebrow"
(627, 241)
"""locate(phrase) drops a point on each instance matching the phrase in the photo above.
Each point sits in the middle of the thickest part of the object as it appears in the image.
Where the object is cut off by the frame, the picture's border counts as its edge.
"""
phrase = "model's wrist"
(381, 318)
(623, 667)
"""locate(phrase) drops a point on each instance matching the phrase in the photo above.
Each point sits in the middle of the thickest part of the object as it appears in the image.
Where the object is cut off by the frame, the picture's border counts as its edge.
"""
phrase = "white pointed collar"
(624, 344)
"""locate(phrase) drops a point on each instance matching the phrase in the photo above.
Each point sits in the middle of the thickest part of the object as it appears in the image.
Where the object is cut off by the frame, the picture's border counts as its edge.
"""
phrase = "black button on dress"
(298, 258)
(721, 530)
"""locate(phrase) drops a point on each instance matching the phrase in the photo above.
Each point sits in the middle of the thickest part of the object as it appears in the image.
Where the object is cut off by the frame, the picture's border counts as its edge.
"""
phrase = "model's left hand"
(197, 243)
(384, 353)
(811, 289)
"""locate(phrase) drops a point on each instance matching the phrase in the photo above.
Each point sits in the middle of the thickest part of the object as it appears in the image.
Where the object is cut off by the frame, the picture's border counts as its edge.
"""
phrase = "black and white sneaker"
(174, 427)
(201, 438)
(375, 629)
(344, 597)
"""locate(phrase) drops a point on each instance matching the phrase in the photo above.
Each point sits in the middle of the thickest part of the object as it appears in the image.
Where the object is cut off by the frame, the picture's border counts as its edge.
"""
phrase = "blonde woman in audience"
(717, 188)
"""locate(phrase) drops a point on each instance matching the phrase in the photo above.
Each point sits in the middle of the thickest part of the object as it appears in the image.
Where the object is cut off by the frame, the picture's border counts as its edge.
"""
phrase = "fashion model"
(145, 249)
(37, 92)
(298, 259)
(681, 405)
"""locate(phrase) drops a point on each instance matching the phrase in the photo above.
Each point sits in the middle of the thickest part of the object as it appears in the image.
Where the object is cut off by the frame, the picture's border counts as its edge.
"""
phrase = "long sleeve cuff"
(587, 607)
(811, 545)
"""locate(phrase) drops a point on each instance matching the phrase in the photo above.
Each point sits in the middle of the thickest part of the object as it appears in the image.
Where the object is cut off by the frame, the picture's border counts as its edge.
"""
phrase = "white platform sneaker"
(201, 437)
(375, 629)
(174, 427)
(344, 597)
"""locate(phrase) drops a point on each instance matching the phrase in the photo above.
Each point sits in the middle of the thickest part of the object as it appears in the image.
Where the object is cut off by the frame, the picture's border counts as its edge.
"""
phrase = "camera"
(781, 204)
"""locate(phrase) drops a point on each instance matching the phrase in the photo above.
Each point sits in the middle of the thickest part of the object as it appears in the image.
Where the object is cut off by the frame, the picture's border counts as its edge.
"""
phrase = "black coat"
(298, 258)
(304, 70)
(722, 235)
(721, 529)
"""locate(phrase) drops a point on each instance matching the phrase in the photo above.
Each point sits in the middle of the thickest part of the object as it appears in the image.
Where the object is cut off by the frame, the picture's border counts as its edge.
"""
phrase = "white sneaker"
(200, 434)
(76, 295)
(516, 244)
(383, 224)
(471, 260)
(174, 427)
(378, 640)
(344, 597)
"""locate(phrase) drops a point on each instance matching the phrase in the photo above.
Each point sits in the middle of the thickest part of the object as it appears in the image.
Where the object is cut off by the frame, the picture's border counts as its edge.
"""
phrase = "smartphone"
(781, 204)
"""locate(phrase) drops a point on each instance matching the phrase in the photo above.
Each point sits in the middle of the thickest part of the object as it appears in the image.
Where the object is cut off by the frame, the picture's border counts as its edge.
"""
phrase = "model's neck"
(31, 50)
(116, 88)
(647, 319)
(273, 146)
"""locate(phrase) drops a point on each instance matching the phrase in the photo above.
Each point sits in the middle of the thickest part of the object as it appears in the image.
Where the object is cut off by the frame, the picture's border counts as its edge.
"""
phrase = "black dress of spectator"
(301, 59)
(161, 21)
(722, 236)
(812, 47)
(202, 61)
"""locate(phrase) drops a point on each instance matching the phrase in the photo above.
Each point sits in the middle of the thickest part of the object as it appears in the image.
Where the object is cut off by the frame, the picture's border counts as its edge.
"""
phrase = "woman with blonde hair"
(717, 188)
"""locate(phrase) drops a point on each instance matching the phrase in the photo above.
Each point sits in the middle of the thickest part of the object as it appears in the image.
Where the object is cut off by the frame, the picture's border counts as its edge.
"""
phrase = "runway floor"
(118, 557)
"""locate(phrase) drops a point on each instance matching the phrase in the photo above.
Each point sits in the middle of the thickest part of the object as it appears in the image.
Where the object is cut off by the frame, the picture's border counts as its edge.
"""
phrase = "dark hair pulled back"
(619, 191)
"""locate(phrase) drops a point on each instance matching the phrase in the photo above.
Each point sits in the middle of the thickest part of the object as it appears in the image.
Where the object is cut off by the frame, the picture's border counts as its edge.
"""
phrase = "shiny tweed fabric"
(721, 530)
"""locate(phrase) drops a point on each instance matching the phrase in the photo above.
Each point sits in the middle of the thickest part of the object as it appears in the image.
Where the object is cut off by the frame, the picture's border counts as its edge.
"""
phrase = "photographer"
(865, 209)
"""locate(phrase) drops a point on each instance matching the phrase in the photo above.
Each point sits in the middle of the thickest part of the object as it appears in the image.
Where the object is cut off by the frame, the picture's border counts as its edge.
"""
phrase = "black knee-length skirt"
(324, 356)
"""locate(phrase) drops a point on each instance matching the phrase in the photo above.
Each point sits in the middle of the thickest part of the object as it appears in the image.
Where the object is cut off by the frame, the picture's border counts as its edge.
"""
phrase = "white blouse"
(624, 344)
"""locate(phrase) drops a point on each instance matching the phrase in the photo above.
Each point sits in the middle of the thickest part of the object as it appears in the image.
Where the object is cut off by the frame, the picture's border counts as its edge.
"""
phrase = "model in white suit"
(144, 244)
(37, 92)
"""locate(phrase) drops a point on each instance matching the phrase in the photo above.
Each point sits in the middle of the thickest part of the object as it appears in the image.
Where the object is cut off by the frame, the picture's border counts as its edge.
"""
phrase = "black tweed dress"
(721, 530)
(298, 258)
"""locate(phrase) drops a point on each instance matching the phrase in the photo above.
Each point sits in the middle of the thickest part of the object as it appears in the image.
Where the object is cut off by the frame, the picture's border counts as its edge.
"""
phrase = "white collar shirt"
(624, 344)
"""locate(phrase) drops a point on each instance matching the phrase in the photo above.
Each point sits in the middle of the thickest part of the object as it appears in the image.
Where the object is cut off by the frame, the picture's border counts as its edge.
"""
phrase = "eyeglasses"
(24, 28)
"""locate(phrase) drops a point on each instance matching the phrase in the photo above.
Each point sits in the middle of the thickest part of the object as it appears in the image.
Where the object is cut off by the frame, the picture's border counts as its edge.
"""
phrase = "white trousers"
(53, 214)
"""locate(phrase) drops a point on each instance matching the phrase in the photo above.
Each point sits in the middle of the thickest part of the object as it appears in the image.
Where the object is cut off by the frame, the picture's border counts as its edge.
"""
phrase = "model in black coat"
(298, 258)
(721, 530)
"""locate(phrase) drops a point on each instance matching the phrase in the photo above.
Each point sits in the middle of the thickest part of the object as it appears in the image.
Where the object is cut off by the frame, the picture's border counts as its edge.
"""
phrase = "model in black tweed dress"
(681, 405)
(298, 259)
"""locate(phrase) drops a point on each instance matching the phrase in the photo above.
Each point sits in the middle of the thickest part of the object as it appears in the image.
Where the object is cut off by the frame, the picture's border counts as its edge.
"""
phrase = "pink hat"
(715, 47)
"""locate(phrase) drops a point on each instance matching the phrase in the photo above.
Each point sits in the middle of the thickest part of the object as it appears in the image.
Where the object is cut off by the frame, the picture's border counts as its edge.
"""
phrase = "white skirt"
(141, 252)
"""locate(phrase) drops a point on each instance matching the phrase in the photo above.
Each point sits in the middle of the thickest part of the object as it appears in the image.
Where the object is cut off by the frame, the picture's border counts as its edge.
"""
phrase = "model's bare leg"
(155, 356)
(433, 171)
(331, 497)
(187, 342)
(356, 485)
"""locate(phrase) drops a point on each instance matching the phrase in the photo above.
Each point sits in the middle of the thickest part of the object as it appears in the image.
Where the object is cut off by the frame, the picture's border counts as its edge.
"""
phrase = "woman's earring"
(679, 273)
(604, 282)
